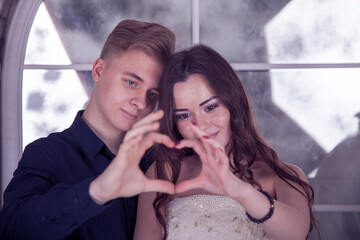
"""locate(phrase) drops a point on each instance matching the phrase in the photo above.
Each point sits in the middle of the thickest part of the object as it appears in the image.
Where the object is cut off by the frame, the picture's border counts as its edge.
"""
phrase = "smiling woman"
(231, 172)
(195, 103)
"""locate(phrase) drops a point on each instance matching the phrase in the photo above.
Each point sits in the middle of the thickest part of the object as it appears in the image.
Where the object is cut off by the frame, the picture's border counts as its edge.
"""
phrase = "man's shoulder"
(53, 139)
(53, 147)
(58, 137)
(51, 152)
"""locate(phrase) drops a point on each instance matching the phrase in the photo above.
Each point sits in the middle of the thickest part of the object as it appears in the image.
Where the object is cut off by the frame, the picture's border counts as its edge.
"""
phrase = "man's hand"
(123, 177)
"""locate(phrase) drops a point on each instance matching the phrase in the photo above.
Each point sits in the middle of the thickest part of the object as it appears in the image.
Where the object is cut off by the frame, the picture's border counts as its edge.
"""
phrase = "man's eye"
(130, 83)
(182, 116)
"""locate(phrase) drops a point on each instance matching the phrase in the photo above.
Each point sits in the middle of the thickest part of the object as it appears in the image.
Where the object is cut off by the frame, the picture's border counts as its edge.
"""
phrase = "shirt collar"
(87, 139)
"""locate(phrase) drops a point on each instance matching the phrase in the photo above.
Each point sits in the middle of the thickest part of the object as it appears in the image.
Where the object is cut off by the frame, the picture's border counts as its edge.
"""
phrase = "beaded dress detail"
(209, 217)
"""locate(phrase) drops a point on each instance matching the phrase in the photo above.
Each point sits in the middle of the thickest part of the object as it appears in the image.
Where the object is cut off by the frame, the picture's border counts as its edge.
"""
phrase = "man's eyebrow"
(134, 75)
(207, 100)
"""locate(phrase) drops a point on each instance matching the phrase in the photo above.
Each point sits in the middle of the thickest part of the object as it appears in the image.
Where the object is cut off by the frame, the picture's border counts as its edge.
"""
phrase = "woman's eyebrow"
(181, 110)
(201, 104)
(207, 100)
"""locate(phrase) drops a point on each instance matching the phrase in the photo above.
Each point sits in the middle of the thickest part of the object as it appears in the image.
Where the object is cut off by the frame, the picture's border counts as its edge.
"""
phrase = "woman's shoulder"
(264, 170)
(271, 181)
(294, 169)
(290, 187)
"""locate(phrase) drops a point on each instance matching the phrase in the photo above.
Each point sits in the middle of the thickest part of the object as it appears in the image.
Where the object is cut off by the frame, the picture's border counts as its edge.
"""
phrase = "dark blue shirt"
(48, 196)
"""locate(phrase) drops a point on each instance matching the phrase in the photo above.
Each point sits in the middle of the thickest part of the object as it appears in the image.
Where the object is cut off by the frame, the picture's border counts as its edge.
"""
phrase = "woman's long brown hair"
(246, 145)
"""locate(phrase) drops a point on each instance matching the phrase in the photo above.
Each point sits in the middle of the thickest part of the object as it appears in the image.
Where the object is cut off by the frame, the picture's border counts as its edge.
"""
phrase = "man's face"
(126, 88)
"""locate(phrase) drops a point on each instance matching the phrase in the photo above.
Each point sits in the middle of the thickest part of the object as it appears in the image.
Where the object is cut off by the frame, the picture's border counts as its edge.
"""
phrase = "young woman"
(229, 183)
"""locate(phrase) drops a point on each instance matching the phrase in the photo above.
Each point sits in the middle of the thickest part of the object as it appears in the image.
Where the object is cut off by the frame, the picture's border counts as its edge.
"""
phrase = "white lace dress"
(209, 217)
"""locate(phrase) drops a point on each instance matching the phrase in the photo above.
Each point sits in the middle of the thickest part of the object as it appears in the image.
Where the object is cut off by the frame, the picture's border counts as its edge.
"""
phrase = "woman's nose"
(202, 122)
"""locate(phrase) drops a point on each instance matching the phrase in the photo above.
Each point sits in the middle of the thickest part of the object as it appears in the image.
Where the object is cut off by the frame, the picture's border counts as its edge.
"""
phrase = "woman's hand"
(215, 176)
(291, 216)
(123, 177)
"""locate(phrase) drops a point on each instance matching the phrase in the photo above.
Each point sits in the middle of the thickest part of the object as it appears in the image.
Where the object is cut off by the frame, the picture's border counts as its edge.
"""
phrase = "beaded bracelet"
(270, 213)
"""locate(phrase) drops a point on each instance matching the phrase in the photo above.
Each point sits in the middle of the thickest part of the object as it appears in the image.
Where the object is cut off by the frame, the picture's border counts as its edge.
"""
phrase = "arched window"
(298, 59)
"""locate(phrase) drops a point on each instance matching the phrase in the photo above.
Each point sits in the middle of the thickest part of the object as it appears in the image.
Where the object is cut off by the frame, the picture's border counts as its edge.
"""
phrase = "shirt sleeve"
(38, 206)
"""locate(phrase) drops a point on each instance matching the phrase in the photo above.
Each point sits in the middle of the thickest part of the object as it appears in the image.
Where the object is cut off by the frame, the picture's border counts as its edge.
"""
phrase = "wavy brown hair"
(246, 145)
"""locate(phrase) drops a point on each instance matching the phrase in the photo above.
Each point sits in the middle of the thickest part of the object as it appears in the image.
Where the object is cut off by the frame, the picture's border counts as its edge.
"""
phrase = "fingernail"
(206, 137)
(193, 123)
(177, 143)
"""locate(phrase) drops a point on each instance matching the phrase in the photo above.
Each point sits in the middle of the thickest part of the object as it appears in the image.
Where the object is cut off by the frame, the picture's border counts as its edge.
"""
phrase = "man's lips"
(128, 115)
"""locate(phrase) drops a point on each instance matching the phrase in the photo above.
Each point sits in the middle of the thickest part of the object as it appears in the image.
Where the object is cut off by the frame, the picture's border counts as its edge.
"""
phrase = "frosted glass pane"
(50, 101)
(44, 45)
(296, 31)
(315, 31)
(308, 116)
(78, 29)
(324, 102)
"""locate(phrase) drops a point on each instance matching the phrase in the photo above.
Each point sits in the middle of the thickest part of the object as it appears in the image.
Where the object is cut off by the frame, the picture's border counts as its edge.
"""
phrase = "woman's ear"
(97, 68)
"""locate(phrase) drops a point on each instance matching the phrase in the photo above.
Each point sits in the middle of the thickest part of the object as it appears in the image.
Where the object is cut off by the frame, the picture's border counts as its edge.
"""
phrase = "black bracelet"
(270, 213)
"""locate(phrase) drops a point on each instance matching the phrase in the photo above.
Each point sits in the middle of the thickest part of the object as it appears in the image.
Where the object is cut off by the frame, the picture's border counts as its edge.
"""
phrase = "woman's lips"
(213, 135)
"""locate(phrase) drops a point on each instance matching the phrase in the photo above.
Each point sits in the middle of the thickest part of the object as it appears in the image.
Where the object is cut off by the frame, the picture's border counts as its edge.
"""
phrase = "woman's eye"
(182, 116)
(153, 95)
(211, 107)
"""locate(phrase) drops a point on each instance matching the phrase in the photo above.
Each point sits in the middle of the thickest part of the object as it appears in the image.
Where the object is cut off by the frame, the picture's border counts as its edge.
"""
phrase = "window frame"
(11, 99)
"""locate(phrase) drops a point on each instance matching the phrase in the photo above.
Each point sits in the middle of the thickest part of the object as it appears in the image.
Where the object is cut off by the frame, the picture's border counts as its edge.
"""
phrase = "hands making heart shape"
(123, 176)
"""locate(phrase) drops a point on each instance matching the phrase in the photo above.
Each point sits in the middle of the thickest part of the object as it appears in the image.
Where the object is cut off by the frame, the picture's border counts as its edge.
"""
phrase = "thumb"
(188, 185)
(157, 185)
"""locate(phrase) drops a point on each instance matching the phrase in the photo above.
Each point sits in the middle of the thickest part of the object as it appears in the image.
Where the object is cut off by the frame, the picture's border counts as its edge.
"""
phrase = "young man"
(81, 183)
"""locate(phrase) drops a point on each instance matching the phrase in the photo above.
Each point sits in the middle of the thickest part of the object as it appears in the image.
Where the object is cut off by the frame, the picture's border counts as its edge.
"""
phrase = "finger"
(220, 157)
(206, 149)
(157, 185)
(141, 130)
(130, 144)
(209, 143)
(200, 134)
(152, 117)
(198, 147)
(187, 185)
(154, 137)
(125, 148)
(215, 149)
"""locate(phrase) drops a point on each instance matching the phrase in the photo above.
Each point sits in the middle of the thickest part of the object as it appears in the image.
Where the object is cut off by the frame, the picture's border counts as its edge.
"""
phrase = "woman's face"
(196, 102)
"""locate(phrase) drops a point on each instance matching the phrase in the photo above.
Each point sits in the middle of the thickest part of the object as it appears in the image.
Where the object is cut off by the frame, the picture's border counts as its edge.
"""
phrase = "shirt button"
(43, 219)
(76, 201)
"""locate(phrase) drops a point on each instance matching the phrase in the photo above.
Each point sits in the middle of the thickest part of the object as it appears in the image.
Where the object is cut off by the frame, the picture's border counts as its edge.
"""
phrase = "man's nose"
(139, 100)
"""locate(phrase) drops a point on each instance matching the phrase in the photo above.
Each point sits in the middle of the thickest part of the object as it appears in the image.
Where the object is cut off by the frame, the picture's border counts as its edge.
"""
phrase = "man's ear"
(97, 69)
